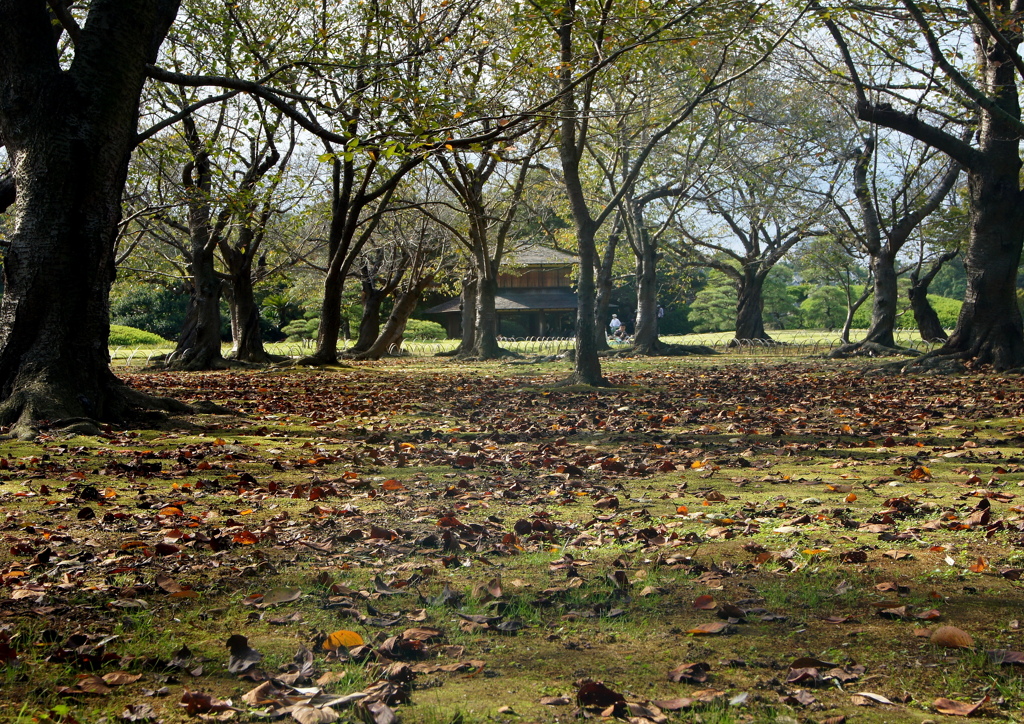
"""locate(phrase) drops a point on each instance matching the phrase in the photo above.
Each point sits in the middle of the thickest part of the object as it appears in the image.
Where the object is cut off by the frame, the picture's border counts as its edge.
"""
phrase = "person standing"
(615, 325)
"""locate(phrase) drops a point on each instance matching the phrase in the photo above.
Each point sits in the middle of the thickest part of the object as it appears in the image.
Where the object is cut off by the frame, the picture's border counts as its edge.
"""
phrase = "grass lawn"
(799, 342)
(712, 539)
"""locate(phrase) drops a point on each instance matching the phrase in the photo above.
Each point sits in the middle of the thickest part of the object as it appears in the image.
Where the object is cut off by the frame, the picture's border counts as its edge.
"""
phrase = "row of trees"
(371, 141)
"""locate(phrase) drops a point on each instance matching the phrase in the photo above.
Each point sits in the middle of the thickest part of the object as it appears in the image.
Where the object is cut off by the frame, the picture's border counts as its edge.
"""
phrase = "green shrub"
(302, 329)
(714, 307)
(151, 308)
(824, 308)
(947, 309)
(422, 329)
(121, 336)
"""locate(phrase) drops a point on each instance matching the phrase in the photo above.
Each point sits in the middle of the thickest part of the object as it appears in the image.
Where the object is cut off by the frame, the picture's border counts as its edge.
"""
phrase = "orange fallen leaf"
(344, 638)
(704, 603)
(952, 637)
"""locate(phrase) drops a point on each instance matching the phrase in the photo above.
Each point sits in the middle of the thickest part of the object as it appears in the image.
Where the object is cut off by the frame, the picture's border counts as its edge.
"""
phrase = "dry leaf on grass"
(957, 708)
(952, 637)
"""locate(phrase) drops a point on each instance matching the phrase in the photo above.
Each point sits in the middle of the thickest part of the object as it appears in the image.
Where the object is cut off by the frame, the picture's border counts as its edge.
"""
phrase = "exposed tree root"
(539, 359)
(265, 359)
(450, 353)
(1001, 355)
(871, 349)
(201, 363)
(312, 361)
(502, 354)
(575, 380)
(662, 349)
(41, 405)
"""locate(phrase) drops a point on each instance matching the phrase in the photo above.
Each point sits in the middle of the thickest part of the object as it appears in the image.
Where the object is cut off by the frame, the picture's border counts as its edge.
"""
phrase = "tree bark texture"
(198, 345)
(989, 329)
(469, 305)
(485, 343)
(391, 336)
(645, 338)
(69, 134)
(750, 305)
(586, 363)
(603, 291)
(246, 337)
(886, 299)
(330, 318)
(369, 323)
(928, 324)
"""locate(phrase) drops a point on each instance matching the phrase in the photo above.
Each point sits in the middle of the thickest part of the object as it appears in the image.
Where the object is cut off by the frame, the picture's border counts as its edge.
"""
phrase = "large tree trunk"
(928, 324)
(330, 318)
(369, 322)
(586, 363)
(750, 308)
(989, 329)
(603, 290)
(391, 337)
(467, 305)
(247, 339)
(198, 345)
(485, 344)
(69, 135)
(886, 298)
(645, 338)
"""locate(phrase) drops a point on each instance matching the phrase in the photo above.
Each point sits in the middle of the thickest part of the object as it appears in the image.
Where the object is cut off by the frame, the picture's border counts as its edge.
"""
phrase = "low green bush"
(121, 336)
(947, 309)
(299, 330)
(422, 329)
(148, 307)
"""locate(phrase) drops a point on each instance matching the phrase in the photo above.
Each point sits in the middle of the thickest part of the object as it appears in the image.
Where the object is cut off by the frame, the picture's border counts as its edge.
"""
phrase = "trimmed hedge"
(121, 336)
(423, 329)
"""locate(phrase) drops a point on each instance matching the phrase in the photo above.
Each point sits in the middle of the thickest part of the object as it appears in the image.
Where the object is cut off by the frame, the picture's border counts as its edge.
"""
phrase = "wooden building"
(535, 296)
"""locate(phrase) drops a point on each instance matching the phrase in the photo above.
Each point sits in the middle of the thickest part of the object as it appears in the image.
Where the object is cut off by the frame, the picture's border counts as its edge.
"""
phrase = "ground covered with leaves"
(708, 541)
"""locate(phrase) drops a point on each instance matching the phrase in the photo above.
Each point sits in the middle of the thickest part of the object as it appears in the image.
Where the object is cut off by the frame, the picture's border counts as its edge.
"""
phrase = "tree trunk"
(928, 324)
(247, 339)
(645, 337)
(69, 135)
(571, 141)
(467, 304)
(391, 337)
(886, 297)
(750, 308)
(851, 309)
(586, 363)
(485, 345)
(369, 322)
(989, 329)
(330, 318)
(198, 345)
(603, 290)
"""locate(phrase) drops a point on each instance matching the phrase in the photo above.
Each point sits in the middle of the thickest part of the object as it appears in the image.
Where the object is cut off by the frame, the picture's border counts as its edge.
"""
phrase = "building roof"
(536, 255)
(515, 300)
